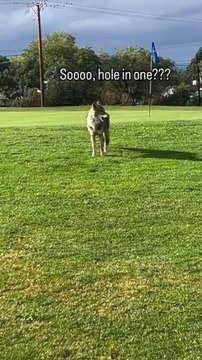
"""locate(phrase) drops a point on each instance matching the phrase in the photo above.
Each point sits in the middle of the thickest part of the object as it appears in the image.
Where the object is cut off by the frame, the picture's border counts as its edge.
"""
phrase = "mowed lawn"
(101, 257)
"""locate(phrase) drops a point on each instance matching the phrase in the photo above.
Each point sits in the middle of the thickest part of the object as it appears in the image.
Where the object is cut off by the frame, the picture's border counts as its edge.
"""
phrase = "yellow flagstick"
(150, 87)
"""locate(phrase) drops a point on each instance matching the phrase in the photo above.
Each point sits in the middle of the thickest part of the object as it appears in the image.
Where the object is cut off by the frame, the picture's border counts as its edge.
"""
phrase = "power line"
(119, 12)
(16, 3)
(28, 3)
(105, 10)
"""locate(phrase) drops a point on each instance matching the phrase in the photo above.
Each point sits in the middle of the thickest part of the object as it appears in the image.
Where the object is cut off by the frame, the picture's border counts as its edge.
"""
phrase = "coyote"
(98, 124)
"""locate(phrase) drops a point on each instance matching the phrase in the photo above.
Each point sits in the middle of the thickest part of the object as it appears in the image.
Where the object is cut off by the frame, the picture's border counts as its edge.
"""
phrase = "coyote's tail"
(107, 137)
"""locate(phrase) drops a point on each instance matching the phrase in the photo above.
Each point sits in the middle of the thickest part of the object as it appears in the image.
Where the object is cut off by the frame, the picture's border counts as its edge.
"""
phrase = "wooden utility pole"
(38, 16)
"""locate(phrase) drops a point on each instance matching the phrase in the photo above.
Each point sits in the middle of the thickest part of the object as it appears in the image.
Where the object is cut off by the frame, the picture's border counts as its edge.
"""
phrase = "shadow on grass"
(164, 154)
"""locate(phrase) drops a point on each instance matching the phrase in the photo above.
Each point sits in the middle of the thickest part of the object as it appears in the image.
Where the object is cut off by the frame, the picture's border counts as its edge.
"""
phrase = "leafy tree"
(7, 81)
(136, 60)
(60, 51)
(132, 60)
(192, 70)
(180, 96)
(4, 63)
(86, 61)
(28, 72)
(166, 80)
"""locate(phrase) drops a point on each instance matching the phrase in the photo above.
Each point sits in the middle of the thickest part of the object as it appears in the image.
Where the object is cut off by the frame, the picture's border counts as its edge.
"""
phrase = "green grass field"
(101, 257)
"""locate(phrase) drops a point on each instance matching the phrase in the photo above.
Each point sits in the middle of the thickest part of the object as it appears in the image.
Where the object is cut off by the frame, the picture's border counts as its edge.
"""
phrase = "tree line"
(19, 76)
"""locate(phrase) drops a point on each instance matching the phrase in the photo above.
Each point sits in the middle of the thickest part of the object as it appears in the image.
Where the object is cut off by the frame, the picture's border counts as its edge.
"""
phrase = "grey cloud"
(176, 39)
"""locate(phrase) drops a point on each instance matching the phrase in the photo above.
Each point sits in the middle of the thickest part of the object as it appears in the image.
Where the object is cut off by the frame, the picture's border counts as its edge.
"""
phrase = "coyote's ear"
(94, 105)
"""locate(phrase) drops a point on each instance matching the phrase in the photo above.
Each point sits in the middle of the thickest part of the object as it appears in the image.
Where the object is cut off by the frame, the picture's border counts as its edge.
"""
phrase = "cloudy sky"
(174, 26)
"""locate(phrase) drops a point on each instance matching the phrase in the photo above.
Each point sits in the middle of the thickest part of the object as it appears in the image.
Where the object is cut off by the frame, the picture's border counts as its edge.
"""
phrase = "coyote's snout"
(98, 124)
